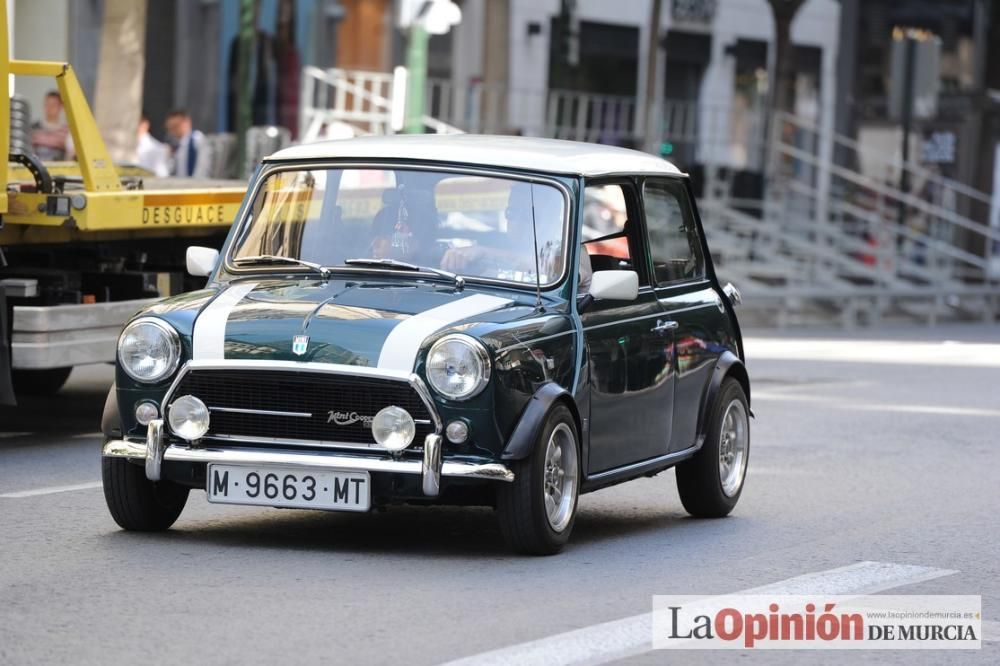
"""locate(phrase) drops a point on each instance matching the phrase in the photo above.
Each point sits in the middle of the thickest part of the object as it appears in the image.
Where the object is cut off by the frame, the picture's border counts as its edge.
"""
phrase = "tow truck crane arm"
(88, 242)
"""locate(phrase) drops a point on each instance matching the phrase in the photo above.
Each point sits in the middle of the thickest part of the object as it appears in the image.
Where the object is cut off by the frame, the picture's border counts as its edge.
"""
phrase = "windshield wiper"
(405, 266)
(264, 259)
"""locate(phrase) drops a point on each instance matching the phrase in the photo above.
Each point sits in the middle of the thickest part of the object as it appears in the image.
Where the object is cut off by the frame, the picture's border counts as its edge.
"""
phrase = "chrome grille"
(299, 406)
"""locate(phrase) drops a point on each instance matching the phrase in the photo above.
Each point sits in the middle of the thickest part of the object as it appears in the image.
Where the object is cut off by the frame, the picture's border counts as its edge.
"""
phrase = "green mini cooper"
(460, 319)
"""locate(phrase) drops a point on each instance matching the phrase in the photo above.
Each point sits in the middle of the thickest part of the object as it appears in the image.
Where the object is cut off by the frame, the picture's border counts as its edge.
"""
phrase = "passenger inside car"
(504, 255)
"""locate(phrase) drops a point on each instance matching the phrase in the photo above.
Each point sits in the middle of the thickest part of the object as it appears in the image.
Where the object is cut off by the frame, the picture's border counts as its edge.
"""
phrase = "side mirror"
(614, 285)
(201, 260)
(733, 294)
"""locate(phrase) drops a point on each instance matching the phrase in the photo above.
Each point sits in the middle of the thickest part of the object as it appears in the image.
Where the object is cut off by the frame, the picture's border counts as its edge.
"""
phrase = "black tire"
(40, 382)
(135, 502)
(699, 479)
(521, 507)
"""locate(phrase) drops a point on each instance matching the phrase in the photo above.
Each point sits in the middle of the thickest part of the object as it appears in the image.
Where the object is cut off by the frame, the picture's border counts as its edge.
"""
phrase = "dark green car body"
(640, 391)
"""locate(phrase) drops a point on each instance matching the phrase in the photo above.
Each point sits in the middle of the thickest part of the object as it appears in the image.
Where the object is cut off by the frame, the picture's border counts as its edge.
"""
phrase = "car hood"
(375, 324)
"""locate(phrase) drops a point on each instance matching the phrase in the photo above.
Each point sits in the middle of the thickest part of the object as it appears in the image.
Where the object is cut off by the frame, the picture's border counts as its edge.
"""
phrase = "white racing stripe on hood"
(209, 339)
(399, 351)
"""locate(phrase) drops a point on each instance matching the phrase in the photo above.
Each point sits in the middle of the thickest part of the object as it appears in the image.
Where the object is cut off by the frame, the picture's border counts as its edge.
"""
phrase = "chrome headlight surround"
(457, 349)
(171, 341)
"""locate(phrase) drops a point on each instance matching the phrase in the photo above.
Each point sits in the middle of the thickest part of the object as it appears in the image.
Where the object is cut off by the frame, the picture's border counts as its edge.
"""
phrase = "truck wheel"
(135, 502)
(537, 510)
(710, 483)
(40, 382)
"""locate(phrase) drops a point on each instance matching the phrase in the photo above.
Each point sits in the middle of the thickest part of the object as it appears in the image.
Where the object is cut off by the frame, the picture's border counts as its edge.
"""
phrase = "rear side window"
(673, 236)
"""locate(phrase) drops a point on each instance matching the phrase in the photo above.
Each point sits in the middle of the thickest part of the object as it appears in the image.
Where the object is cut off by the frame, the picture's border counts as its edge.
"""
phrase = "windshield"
(473, 225)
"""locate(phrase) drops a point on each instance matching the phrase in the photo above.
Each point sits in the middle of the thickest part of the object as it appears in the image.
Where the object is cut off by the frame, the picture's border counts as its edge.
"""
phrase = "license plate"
(293, 487)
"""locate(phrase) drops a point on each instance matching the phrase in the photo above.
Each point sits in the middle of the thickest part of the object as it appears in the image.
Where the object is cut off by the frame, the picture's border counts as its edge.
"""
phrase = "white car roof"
(513, 152)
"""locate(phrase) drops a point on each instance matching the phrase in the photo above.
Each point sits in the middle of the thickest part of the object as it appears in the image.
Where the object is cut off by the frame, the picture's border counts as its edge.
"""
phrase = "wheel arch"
(728, 365)
(533, 417)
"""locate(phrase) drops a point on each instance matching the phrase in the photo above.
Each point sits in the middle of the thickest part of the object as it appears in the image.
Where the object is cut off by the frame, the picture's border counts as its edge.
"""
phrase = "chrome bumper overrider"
(155, 451)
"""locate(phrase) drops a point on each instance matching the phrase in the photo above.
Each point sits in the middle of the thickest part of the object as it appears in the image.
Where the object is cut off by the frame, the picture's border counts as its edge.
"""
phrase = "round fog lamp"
(457, 432)
(393, 428)
(146, 412)
(188, 417)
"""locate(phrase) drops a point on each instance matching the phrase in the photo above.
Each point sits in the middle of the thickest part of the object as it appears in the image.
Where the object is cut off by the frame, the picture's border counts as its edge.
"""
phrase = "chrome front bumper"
(156, 450)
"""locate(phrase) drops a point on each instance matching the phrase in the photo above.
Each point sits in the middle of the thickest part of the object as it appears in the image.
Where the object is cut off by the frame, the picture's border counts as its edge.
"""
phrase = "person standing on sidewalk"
(190, 150)
(151, 154)
(50, 139)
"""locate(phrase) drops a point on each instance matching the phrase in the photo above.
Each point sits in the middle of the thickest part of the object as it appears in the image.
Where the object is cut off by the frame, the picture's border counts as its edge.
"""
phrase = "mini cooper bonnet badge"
(300, 343)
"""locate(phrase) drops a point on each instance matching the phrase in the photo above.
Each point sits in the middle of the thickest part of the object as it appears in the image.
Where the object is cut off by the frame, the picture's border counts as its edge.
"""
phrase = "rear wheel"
(537, 510)
(135, 502)
(711, 482)
(43, 382)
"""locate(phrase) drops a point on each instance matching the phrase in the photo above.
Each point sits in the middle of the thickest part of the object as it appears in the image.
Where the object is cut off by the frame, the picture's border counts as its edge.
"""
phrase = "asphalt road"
(877, 446)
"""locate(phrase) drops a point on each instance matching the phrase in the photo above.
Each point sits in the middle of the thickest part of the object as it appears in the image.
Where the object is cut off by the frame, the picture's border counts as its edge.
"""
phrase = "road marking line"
(953, 354)
(12, 435)
(630, 636)
(51, 490)
(834, 403)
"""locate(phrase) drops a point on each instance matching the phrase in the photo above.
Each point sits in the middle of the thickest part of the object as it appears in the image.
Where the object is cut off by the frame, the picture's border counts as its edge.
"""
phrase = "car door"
(689, 302)
(628, 362)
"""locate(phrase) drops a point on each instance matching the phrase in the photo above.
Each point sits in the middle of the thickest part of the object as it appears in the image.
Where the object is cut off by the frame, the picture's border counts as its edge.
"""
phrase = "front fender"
(729, 364)
(532, 420)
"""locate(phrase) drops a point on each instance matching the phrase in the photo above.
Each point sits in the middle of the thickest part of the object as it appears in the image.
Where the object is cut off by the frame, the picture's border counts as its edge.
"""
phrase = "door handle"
(664, 326)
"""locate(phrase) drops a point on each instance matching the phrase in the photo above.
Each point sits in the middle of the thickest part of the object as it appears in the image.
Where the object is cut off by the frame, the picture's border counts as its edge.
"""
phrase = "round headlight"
(393, 428)
(458, 366)
(149, 350)
(188, 417)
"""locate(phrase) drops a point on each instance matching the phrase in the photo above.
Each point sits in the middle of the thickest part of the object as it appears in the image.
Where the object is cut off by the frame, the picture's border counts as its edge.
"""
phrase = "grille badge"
(348, 418)
(300, 343)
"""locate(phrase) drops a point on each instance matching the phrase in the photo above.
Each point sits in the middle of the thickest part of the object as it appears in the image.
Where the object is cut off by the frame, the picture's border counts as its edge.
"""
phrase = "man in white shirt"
(151, 154)
(190, 156)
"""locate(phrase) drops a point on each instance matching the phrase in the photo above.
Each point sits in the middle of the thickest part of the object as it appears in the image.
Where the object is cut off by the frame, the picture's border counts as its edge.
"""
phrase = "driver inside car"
(510, 254)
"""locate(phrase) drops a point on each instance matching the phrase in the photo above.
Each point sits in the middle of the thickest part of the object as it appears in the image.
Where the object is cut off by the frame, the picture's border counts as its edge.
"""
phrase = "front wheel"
(711, 482)
(135, 502)
(537, 510)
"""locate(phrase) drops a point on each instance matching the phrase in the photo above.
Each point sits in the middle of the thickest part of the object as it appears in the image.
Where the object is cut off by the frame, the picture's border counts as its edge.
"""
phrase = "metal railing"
(337, 100)
(705, 133)
(828, 235)
(934, 234)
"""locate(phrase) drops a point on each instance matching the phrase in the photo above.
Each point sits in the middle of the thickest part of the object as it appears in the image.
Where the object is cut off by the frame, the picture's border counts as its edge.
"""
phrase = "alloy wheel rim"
(733, 442)
(559, 477)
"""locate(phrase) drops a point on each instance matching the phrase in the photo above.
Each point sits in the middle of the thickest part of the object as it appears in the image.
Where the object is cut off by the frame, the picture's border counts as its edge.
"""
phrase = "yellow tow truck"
(83, 245)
